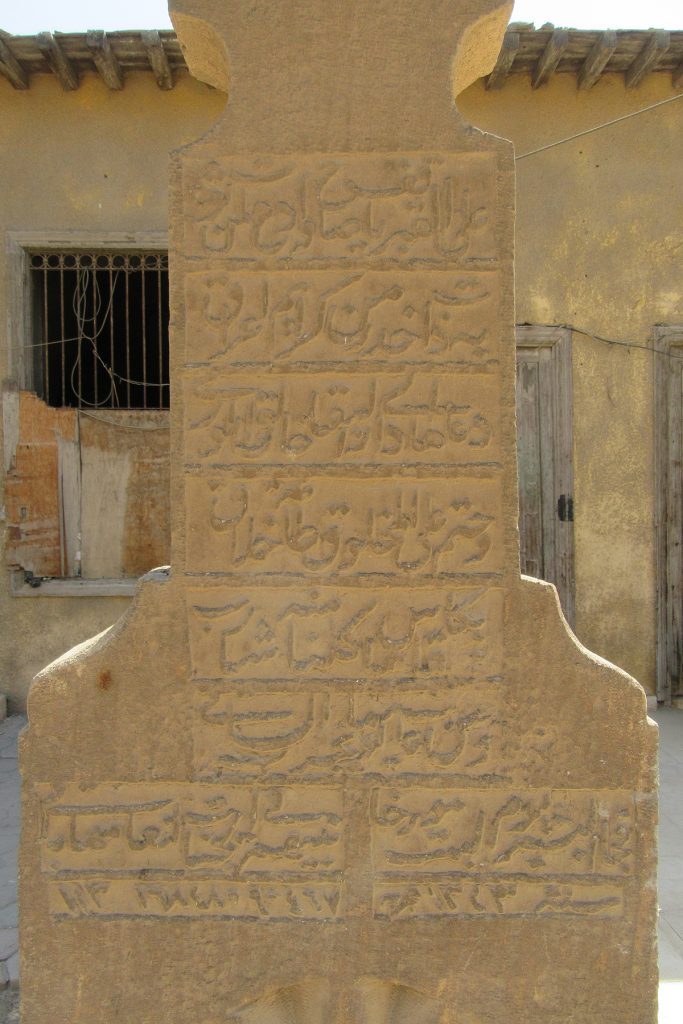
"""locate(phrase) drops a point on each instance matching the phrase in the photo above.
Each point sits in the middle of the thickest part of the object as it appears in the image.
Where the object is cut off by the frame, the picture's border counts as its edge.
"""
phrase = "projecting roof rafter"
(158, 60)
(59, 63)
(547, 51)
(105, 59)
(506, 58)
(648, 58)
(550, 58)
(10, 66)
(538, 53)
(111, 55)
(596, 61)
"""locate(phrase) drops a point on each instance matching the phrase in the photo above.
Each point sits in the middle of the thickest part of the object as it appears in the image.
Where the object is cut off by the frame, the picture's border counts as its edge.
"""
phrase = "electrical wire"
(598, 127)
(610, 341)
(122, 425)
(79, 305)
(65, 341)
(80, 298)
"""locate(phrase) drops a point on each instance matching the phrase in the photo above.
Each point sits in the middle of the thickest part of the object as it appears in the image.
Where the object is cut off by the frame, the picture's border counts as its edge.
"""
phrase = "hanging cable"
(667, 353)
(121, 425)
(599, 127)
(79, 305)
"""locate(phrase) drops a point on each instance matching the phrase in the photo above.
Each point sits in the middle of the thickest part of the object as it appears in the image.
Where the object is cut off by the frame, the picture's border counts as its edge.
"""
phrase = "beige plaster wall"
(90, 160)
(599, 245)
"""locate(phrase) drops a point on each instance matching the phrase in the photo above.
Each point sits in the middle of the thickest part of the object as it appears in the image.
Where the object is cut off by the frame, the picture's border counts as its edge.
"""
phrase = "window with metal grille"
(100, 329)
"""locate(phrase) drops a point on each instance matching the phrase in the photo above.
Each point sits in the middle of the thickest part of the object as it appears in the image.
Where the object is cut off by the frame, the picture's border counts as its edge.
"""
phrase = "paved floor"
(9, 839)
(670, 723)
(670, 866)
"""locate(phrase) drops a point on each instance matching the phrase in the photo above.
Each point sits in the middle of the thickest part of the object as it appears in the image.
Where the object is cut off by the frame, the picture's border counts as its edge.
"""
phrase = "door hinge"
(565, 508)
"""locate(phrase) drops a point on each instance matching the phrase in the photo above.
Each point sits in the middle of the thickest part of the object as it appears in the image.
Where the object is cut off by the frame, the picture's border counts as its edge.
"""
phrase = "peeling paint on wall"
(32, 484)
(86, 495)
(125, 504)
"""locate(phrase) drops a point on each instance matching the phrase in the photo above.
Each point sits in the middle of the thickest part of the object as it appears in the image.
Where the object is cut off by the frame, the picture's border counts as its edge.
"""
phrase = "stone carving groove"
(341, 419)
(339, 633)
(212, 850)
(377, 208)
(322, 734)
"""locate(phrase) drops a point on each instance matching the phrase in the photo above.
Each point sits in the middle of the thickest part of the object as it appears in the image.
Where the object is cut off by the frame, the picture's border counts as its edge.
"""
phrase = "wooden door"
(544, 449)
(669, 492)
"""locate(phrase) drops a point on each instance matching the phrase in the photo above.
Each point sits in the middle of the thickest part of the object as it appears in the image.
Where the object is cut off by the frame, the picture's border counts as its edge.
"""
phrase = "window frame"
(668, 591)
(558, 340)
(19, 247)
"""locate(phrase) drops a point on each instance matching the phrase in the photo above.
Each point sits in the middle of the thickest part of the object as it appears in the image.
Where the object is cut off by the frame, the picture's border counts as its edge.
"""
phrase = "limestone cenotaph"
(340, 764)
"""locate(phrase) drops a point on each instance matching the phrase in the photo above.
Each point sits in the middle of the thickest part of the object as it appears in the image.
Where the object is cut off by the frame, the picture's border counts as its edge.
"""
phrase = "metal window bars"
(100, 329)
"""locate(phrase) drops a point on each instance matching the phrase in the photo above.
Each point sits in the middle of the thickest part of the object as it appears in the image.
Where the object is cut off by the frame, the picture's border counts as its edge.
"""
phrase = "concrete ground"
(670, 723)
(670, 867)
(9, 841)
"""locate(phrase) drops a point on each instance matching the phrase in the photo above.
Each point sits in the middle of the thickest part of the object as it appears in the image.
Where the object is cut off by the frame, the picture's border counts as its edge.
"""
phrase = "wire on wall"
(667, 353)
(599, 127)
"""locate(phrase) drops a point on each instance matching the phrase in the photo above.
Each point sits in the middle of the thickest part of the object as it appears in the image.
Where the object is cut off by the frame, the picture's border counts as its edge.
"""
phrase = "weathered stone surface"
(342, 764)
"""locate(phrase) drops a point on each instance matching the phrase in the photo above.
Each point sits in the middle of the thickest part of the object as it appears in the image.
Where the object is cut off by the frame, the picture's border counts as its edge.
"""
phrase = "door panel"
(669, 459)
(544, 451)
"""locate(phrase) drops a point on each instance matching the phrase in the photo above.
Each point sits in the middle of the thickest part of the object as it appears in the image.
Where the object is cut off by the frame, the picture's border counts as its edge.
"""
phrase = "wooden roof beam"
(10, 66)
(597, 59)
(657, 44)
(506, 58)
(105, 59)
(151, 40)
(59, 63)
(550, 58)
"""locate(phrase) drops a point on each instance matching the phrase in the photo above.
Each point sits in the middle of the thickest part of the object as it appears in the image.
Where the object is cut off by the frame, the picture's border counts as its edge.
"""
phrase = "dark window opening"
(100, 329)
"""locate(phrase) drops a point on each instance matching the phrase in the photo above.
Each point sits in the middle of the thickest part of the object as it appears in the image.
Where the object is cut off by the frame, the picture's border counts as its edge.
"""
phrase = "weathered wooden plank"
(125, 515)
(529, 463)
(674, 526)
(547, 443)
(597, 59)
(10, 66)
(662, 367)
(669, 506)
(104, 499)
(69, 470)
(506, 58)
(59, 63)
(151, 40)
(522, 50)
(550, 58)
(105, 59)
(10, 423)
(544, 442)
(657, 45)
(561, 370)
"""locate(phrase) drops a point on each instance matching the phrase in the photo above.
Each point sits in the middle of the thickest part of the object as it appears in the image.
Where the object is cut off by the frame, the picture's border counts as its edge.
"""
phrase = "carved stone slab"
(374, 209)
(341, 765)
(279, 852)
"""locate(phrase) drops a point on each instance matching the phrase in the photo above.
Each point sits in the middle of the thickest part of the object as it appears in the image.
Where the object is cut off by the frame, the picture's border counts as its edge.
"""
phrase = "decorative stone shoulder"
(537, 53)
